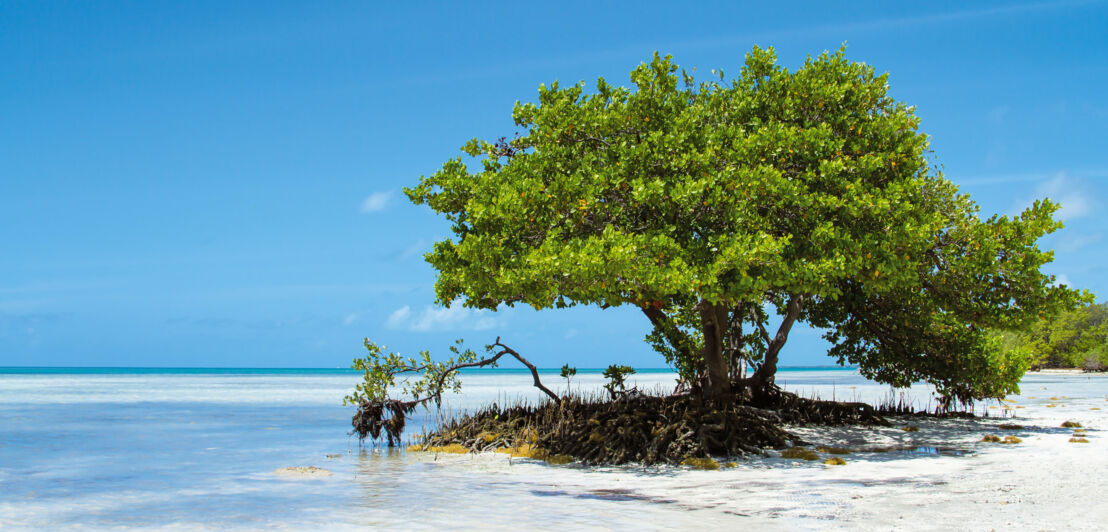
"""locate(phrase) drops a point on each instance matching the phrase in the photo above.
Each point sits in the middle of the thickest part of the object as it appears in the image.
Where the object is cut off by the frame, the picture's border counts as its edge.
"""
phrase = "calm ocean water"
(189, 448)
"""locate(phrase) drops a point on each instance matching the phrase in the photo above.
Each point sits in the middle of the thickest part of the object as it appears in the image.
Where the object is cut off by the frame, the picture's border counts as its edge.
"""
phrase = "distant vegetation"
(1074, 339)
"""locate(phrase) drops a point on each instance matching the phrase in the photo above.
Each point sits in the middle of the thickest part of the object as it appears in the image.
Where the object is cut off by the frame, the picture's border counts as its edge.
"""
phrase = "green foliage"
(380, 371)
(726, 200)
(617, 379)
(568, 373)
(1073, 339)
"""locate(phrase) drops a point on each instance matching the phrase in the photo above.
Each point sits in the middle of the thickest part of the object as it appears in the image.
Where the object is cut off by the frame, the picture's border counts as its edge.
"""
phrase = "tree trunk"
(736, 354)
(713, 319)
(766, 371)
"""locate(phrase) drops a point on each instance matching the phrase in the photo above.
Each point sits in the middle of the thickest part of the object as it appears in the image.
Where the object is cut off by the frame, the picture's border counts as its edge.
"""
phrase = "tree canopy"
(713, 206)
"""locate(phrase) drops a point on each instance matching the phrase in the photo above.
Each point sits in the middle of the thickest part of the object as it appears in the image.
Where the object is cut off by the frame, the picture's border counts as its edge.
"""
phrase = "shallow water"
(179, 450)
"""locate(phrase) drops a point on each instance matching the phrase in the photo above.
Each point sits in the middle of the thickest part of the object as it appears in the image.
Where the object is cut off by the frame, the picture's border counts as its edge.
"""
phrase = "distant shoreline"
(1059, 371)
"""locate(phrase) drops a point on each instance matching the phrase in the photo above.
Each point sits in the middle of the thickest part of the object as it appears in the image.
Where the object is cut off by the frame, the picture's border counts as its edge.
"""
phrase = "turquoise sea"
(189, 448)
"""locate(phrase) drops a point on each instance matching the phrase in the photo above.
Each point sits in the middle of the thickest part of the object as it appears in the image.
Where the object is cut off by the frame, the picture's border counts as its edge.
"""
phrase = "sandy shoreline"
(941, 477)
(1061, 371)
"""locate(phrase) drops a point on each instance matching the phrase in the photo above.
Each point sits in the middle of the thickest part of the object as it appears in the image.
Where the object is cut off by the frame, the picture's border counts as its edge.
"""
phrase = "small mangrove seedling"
(990, 438)
(567, 374)
(1071, 425)
(1011, 439)
(617, 379)
(835, 460)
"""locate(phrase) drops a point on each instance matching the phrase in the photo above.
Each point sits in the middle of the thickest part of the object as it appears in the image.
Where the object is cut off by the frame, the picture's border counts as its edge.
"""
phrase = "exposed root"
(646, 429)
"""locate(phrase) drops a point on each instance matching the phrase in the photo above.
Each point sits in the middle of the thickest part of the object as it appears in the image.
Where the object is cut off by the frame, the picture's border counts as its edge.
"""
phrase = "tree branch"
(662, 323)
(534, 372)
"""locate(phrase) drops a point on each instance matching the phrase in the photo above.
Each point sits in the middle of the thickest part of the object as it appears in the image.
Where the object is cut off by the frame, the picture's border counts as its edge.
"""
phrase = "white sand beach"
(941, 477)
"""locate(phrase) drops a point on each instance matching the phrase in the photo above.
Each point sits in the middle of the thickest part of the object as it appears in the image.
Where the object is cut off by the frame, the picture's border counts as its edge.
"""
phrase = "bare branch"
(534, 371)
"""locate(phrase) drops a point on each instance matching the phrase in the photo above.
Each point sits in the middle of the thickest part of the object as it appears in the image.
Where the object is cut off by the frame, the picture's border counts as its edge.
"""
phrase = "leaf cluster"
(381, 369)
(617, 379)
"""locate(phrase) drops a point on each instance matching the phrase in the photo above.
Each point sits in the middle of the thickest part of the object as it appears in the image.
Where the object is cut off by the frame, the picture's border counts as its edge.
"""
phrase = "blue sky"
(218, 183)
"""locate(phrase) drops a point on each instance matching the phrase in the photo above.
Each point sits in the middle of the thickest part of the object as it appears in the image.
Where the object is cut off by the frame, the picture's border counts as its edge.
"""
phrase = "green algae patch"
(1078, 440)
(1009, 426)
(835, 460)
(799, 453)
(706, 464)
(990, 438)
(911, 428)
(1011, 440)
(524, 451)
(833, 450)
(488, 437)
(559, 459)
(453, 448)
(1071, 425)
(729, 465)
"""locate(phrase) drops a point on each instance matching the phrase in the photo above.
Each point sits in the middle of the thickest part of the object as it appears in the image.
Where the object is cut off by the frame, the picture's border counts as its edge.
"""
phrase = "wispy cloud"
(455, 318)
(836, 30)
(376, 201)
(1027, 177)
(1069, 192)
(1072, 242)
(419, 247)
(350, 318)
(27, 322)
(225, 323)
(1061, 279)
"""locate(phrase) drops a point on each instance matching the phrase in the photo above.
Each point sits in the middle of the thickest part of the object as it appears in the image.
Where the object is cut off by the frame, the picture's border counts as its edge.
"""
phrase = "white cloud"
(1069, 193)
(1071, 242)
(419, 247)
(1061, 279)
(350, 318)
(455, 318)
(1074, 195)
(376, 201)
